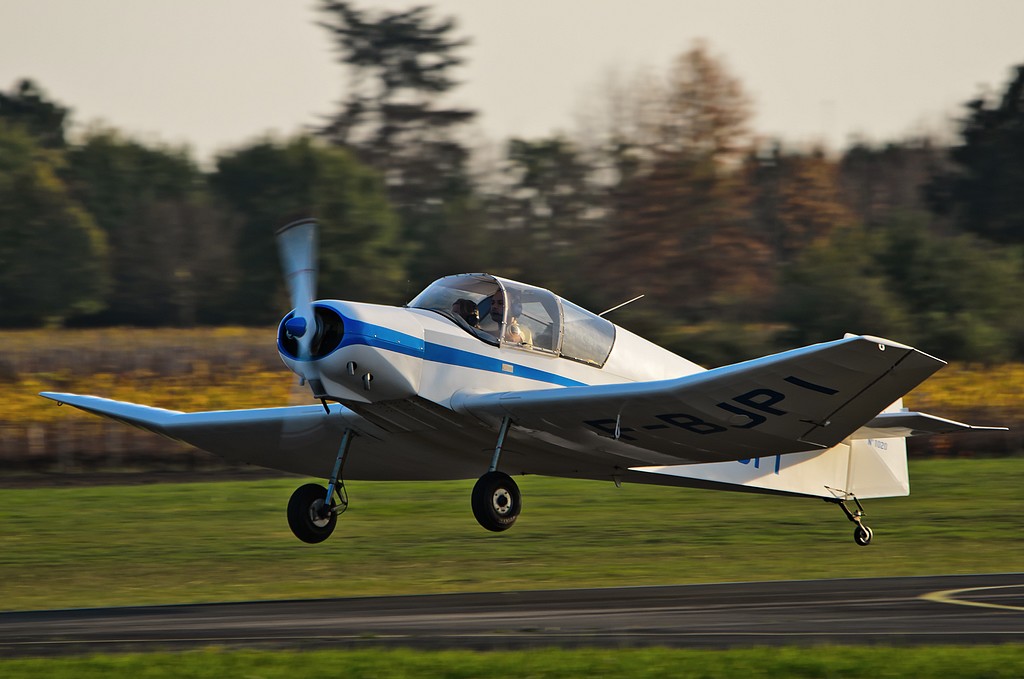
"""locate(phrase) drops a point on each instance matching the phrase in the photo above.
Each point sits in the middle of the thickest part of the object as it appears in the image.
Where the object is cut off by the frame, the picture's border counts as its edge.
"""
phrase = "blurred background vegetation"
(743, 244)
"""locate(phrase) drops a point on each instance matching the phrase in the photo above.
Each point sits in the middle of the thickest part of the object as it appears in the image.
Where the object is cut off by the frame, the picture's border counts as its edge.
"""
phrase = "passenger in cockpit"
(516, 333)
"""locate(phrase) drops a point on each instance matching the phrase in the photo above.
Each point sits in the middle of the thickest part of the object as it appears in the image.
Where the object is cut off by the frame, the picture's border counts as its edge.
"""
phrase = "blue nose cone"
(295, 326)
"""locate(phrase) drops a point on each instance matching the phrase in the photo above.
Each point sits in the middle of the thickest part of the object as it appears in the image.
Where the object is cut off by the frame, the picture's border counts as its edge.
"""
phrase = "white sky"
(216, 73)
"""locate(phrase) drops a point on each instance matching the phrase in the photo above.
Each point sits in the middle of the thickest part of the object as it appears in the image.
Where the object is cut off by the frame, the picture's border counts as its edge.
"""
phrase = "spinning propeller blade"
(297, 247)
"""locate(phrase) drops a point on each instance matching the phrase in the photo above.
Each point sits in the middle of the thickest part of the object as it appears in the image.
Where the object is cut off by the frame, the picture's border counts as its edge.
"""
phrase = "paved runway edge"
(960, 609)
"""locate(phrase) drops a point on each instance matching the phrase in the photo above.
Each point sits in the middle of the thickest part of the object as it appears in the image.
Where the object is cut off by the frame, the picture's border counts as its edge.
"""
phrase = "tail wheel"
(496, 501)
(862, 535)
(308, 516)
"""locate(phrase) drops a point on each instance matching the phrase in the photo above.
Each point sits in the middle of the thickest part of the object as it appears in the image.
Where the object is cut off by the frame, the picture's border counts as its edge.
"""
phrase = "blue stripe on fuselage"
(358, 332)
(378, 337)
(440, 353)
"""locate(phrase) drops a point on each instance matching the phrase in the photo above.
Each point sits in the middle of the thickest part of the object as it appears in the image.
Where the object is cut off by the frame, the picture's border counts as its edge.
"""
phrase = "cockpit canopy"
(506, 313)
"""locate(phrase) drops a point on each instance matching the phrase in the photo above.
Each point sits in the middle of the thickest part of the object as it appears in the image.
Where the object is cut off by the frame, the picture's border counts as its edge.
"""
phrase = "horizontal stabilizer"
(906, 423)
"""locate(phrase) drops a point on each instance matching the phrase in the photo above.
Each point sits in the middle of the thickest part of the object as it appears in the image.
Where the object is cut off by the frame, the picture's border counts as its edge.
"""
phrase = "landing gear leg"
(312, 510)
(496, 499)
(336, 481)
(506, 422)
(862, 534)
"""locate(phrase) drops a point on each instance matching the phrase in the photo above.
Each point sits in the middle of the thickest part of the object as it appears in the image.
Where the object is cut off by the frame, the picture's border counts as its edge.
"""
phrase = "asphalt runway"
(961, 609)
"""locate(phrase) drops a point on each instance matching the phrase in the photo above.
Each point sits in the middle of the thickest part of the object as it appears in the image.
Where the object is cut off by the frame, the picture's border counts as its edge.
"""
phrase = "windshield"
(467, 299)
(587, 337)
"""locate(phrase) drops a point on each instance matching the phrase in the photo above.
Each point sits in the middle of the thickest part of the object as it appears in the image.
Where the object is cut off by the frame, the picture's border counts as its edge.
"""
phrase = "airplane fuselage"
(393, 353)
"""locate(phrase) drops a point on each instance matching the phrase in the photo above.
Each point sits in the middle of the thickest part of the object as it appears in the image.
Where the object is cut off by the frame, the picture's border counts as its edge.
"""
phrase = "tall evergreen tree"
(983, 192)
(26, 105)
(400, 66)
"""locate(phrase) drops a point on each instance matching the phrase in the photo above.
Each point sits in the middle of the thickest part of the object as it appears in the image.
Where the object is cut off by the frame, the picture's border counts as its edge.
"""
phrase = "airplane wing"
(256, 436)
(401, 443)
(802, 400)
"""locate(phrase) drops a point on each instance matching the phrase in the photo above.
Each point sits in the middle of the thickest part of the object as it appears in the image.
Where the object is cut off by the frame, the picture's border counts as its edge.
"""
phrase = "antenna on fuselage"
(619, 306)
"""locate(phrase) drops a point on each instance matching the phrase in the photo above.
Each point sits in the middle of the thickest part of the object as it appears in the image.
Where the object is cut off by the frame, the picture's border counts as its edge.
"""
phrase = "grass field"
(166, 543)
(829, 662)
(224, 541)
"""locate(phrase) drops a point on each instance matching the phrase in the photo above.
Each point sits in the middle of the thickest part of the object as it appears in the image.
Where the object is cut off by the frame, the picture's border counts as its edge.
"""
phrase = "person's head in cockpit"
(467, 310)
(498, 307)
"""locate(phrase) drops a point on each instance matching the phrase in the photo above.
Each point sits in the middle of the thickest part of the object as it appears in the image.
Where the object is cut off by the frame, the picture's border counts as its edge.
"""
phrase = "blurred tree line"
(742, 245)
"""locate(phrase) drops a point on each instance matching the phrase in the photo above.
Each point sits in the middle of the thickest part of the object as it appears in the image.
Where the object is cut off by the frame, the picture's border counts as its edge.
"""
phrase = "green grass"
(826, 662)
(121, 545)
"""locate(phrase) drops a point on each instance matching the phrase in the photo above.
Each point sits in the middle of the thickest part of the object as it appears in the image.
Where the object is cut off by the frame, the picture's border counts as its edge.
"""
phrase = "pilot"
(466, 309)
(514, 332)
(495, 315)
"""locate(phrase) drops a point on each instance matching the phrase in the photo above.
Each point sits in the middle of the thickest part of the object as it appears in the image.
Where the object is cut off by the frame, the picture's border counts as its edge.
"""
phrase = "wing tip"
(887, 343)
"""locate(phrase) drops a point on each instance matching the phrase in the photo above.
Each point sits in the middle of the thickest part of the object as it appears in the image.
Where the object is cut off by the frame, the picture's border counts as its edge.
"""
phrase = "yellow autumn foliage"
(190, 370)
(228, 368)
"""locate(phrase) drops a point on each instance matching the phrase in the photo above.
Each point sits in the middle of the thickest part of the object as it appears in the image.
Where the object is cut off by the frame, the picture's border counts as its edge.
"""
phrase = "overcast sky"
(216, 73)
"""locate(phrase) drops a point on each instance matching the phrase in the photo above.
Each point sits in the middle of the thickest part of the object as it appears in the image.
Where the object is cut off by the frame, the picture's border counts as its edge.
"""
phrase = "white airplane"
(484, 374)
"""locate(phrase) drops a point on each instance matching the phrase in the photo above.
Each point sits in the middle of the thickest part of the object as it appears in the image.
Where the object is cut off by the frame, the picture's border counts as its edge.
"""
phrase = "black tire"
(305, 514)
(862, 535)
(496, 501)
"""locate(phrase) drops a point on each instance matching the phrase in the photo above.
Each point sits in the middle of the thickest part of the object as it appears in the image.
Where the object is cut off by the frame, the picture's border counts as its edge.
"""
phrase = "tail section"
(870, 463)
(864, 468)
(876, 468)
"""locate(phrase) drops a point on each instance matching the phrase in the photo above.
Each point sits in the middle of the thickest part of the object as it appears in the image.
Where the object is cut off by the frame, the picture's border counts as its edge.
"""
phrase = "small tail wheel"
(310, 519)
(496, 501)
(862, 535)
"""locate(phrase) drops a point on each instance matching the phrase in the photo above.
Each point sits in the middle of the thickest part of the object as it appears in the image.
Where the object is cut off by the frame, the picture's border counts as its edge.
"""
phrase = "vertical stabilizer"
(878, 466)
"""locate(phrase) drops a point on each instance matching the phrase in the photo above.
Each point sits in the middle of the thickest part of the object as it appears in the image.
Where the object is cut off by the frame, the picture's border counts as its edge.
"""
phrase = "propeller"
(297, 247)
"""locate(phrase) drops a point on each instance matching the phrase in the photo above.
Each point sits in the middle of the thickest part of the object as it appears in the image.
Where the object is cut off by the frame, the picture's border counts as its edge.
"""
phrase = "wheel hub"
(317, 516)
(502, 501)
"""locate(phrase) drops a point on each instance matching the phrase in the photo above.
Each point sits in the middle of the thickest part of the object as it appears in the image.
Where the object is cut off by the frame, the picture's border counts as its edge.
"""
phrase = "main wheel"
(308, 518)
(496, 501)
(862, 535)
